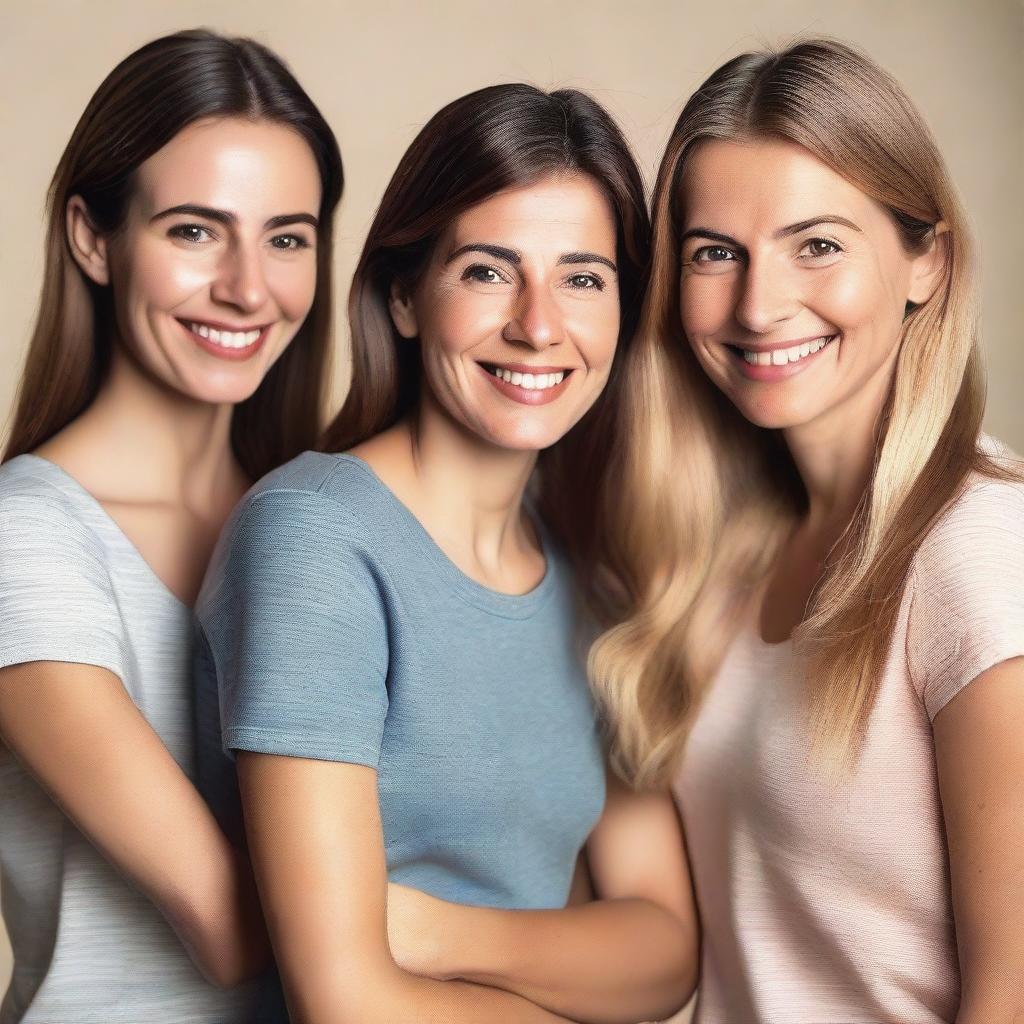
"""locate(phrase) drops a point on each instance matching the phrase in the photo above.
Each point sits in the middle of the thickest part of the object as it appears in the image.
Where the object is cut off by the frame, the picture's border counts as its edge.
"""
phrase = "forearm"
(220, 923)
(608, 962)
(389, 995)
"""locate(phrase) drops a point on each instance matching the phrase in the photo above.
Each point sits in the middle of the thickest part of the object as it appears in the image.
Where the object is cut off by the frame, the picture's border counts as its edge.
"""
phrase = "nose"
(240, 280)
(767, 296)
(536, 318)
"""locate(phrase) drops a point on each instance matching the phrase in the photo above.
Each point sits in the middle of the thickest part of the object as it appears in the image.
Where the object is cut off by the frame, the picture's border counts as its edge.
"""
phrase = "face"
(215, 268)
(794, 284)
(517, 314)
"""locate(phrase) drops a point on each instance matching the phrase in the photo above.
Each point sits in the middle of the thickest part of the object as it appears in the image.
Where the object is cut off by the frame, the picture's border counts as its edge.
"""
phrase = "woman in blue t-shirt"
(392, 627)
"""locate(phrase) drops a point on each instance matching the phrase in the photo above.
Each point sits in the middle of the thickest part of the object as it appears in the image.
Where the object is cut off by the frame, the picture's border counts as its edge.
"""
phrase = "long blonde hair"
(699, 500)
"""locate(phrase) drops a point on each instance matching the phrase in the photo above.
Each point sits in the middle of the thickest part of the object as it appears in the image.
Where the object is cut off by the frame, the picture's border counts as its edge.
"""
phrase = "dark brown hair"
(141, 105)
(497, 138)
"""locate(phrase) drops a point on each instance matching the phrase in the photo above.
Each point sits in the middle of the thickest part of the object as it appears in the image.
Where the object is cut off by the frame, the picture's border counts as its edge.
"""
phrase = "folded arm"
(629, 955)
(318, 850)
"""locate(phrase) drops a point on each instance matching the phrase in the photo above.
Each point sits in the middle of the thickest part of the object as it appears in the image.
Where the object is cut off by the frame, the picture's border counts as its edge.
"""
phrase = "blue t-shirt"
(334, 627)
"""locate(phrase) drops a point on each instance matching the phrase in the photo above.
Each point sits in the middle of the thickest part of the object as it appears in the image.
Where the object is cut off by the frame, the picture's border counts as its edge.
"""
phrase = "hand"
(418, 926)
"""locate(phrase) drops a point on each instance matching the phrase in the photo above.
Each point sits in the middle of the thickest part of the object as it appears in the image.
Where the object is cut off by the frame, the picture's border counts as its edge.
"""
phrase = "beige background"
(379, 70)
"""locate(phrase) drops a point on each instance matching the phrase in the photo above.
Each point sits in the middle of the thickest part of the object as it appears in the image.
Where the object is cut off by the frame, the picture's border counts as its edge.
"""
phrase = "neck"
(466, 490)
(159, 445)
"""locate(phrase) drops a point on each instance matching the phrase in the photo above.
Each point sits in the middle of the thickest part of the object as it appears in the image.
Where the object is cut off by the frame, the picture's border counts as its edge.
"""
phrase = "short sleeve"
(967, 603)
(57, 602)
(295, 624)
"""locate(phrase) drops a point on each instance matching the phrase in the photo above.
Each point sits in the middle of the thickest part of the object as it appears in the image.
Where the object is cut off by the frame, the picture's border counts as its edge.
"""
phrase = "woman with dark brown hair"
(392, 625)
(179, 354)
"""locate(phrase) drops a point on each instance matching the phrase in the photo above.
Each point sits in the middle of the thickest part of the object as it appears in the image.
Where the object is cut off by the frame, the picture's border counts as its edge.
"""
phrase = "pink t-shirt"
(833, 906)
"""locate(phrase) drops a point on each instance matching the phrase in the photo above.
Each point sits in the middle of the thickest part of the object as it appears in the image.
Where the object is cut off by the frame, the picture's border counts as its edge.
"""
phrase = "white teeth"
(529, 381)
(782, 356)
(227, 339)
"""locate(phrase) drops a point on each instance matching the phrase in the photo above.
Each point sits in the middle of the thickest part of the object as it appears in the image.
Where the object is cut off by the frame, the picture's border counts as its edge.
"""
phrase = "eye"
(483, 274)
(587, 281)
(289, 242)
(816, 248)
(191, 233)
(713, 254)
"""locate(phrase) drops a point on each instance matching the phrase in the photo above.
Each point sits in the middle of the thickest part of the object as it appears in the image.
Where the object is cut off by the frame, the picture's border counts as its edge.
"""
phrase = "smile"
(528, 385)
(783, 356)
(221, 341)
(780, 363)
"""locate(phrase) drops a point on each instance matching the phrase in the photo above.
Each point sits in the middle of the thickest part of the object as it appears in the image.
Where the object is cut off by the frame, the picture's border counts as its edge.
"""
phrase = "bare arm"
(318, 850)
(75, 728)
(630, 955)
(979, 744)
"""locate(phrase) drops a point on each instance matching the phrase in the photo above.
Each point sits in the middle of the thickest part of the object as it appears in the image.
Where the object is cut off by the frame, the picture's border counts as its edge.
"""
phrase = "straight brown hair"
(140, 106)
(497, 138)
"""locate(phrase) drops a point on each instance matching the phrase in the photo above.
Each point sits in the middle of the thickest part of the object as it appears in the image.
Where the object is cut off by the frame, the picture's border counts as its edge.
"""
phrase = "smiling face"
(794, 284)
(214, 269)
(517, 313)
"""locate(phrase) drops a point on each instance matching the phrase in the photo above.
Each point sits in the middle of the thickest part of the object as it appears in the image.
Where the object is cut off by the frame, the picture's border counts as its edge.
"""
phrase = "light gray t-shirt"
(87, 946)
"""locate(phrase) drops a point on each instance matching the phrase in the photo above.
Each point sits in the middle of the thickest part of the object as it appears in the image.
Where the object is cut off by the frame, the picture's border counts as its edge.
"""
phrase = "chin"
(222, 389)
(774, 415)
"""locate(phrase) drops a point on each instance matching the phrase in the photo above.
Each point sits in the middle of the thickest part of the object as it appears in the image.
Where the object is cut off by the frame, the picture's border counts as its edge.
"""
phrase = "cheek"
(160, 278)
(457, 322)
(855, 297)
(706, 303)
(293, 286)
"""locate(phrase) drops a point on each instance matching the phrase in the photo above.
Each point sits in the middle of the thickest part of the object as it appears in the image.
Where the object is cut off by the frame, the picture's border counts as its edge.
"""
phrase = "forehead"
(765, 184)
(233, 164)
(561, 211)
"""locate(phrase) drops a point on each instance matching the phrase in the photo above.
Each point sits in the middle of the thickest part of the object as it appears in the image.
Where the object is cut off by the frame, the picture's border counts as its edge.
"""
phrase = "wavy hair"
(711, 497)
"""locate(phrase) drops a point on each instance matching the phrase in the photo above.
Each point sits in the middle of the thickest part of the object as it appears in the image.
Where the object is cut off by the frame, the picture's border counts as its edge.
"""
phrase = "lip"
(523, 395)
(773, 373)
(220, 351)
(528, 367)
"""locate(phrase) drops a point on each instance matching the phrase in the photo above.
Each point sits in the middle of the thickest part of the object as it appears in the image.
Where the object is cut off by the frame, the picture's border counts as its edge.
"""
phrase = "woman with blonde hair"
(816, 620)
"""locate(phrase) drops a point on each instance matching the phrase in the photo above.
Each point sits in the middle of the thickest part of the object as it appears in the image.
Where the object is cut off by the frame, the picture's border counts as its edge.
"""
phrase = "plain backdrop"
(378, 70)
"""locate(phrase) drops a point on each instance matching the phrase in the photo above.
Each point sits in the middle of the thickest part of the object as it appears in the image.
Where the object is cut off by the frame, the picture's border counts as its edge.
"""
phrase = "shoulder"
(980, 528)
(315, 488)
(41, 510)
(313, 518)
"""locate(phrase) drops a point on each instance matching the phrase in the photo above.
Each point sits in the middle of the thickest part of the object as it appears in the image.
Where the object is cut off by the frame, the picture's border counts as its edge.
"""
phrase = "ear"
(88, 246)
(928, 268)
(403, 312)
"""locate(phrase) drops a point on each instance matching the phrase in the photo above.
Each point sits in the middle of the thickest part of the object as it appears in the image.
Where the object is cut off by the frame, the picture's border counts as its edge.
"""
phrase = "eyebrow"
(786, 232)
(226, 217)
(500, 252)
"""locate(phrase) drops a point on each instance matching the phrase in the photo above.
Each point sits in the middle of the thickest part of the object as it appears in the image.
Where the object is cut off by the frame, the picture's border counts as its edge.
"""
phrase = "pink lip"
(769, 373)
(230, 354)
(523, 395)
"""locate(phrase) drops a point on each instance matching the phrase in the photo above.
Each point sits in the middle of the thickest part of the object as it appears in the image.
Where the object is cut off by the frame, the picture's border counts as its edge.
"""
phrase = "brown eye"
(714, 254)
(821, 247)
(190, 232)
(485, 275)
